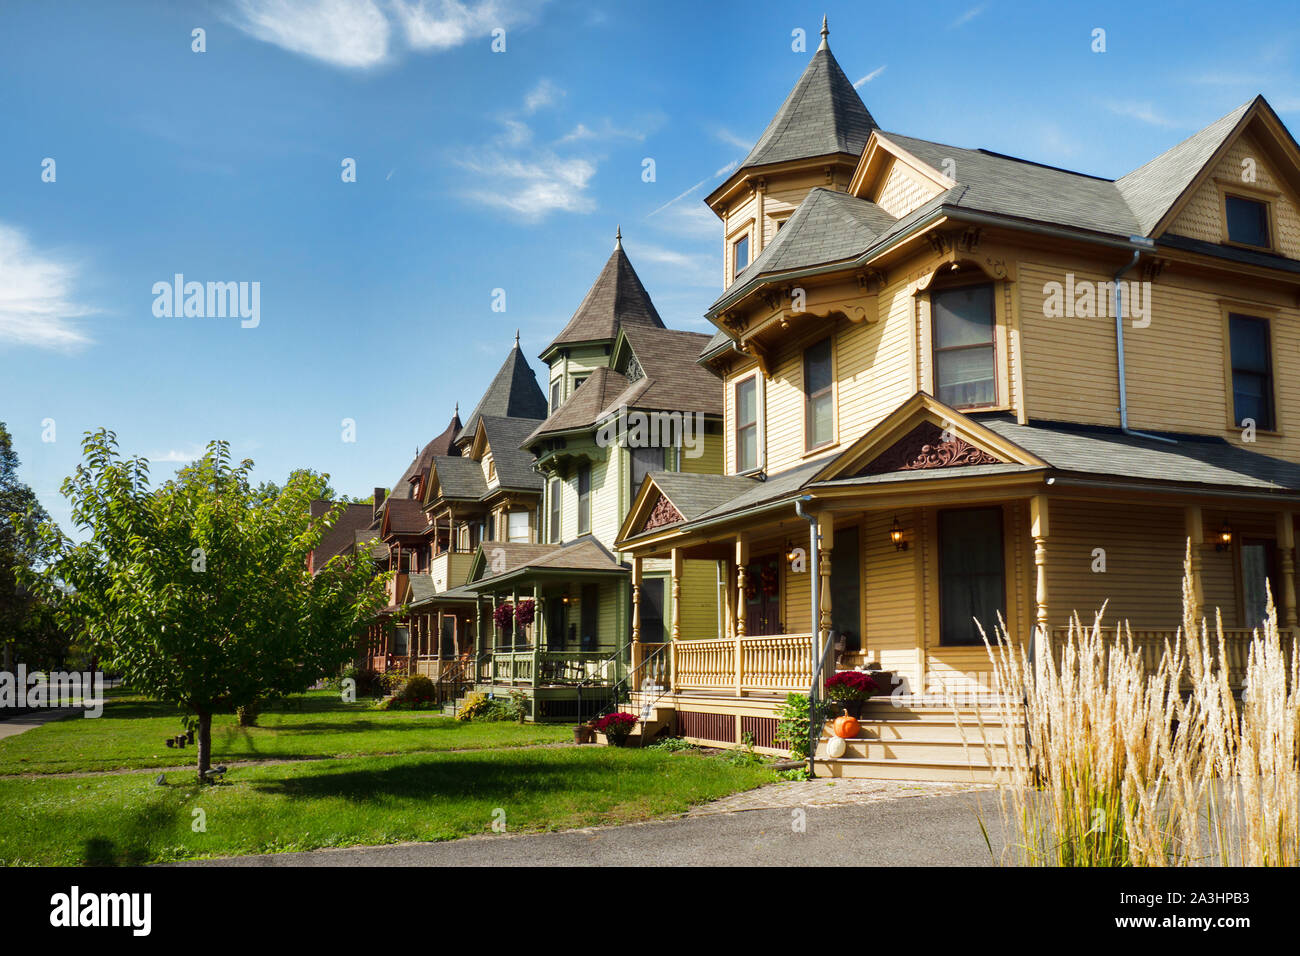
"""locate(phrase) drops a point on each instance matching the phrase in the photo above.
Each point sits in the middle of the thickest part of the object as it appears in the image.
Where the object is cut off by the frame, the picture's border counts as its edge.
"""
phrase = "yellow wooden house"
(962, 387)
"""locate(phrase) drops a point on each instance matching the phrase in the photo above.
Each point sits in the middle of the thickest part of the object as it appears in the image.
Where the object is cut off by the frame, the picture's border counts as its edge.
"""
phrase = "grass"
(1138, 766)
(131, 732)
(127, 819)
(379, 777)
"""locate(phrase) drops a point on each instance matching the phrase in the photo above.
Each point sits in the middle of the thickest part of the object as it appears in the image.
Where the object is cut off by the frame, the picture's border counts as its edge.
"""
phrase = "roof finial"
(516, 338)
(825, 33)
(456, 413)
(618, 237)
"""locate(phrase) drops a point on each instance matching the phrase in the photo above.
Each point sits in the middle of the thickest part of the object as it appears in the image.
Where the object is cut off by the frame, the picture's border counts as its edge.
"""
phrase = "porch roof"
(583, 557)
(1108, 452)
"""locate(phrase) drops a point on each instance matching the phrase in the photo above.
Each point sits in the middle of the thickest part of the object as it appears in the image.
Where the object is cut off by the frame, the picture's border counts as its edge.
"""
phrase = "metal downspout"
(814, 676)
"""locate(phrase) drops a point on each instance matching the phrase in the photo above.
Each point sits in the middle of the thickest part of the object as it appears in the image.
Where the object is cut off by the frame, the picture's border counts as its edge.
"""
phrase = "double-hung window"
(964, 352)
(1252, 371)
(747, 424)
(819, 400)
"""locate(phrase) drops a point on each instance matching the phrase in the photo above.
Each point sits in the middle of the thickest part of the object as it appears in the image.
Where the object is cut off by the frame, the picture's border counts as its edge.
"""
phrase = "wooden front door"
(763, 597)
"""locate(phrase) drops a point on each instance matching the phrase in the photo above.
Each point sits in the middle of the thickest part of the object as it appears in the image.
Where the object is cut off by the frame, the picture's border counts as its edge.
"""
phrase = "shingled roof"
(584, 407)
(585, 555)
(822, 115)
(670, 380)
(617, 298)
(514, 465)
(405, 516)
(442, 445)
(341, 536)
(459, 478)
(514, 393)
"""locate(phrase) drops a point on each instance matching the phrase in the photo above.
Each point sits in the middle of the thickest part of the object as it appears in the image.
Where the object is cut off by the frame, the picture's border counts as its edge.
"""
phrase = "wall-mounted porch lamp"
(1225, 538)
(896, 535)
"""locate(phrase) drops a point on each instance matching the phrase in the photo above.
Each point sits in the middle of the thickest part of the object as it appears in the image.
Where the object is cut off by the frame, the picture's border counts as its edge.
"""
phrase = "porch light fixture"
(1225, 538)
(566, 597)
(791, 554)
(896, 535)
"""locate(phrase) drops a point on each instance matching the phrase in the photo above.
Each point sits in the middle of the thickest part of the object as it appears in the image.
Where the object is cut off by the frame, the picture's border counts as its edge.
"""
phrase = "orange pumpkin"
(846, 726)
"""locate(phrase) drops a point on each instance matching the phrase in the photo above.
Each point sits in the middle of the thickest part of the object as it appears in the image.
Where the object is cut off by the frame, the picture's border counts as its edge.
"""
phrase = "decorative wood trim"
(663, 513)
(925, 448)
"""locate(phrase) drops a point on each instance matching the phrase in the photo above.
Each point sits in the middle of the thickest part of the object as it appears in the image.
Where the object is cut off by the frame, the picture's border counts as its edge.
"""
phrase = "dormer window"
(577, 383)
(555, 394)
(740, 255)
(1247, 221)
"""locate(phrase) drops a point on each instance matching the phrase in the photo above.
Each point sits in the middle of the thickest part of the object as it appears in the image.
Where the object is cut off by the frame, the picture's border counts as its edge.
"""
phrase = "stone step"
(939, 770)
(915, 751)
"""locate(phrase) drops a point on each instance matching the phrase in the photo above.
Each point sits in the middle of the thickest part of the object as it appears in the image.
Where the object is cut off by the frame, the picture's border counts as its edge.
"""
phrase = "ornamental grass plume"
(1113, 751)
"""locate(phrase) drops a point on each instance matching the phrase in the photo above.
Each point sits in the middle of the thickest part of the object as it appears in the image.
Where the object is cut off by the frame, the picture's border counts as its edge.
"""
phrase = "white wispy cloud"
(691, 219)
(731, 139)
(177, 456)
(361, 34)
(869, 77)
(534, 186)
(605, 130)
(545, 93)
(687, 269)
(353, 34)
(1144, 112)
(36, 296)
(968, 16)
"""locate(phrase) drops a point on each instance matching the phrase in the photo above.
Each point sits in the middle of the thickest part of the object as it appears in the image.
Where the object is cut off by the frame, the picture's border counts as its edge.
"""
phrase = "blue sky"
(475, 171)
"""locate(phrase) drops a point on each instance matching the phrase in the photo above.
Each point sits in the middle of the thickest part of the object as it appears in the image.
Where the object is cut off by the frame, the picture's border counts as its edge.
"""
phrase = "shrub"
(416, 692)
(670, 744)
(475, 708)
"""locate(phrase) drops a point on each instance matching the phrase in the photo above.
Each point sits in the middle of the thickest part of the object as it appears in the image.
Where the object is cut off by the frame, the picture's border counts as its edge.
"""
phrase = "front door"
(763, 597)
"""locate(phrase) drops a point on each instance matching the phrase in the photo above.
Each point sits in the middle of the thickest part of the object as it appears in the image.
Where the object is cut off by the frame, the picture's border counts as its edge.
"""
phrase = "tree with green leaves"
(21, 515)
(198, 591)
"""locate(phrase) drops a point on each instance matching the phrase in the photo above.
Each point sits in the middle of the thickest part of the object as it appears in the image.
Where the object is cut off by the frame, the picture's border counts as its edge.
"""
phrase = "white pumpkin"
(835, 747)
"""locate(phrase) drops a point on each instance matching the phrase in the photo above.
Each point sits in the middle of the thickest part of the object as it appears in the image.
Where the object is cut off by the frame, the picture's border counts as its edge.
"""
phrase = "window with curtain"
(819, 421)
(584, 499)
(517, 527)
(1252, 371)
(747, 424)
(971, 574)
(964, 360)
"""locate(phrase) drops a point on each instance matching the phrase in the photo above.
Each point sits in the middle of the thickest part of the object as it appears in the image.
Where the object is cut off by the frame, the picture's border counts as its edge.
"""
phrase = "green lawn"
(384, 777)
(126, 818)
(132, 731)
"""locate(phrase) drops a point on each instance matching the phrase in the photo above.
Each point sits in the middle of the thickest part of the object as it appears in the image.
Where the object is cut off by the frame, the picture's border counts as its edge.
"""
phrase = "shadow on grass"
(129, 845)
(473, 778)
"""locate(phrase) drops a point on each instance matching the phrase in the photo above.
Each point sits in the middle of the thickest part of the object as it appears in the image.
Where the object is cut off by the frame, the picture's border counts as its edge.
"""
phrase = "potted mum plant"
(616, 727)
(851, 689)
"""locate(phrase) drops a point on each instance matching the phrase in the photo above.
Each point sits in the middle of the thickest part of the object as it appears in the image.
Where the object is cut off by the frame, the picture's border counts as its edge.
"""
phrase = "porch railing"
(760, 664)
(552, 668)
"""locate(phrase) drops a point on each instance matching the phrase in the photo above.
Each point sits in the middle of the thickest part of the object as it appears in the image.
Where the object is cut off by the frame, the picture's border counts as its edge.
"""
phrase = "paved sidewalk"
(13, 726)
(861, 824)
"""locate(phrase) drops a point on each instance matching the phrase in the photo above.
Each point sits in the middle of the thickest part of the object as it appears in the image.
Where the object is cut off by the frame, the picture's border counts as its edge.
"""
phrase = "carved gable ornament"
(925, 447)
(662, 514)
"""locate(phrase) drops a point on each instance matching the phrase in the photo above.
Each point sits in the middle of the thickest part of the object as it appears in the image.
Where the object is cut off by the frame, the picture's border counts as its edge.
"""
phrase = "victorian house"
(961, 387)
(626, 397)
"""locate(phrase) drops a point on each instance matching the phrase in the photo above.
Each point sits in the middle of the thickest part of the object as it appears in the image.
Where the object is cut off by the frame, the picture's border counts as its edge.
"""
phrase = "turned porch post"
(1286, 555)
(1038, 528)
(825, 531)
(636, 611)
(742, 559)
(1194, 528)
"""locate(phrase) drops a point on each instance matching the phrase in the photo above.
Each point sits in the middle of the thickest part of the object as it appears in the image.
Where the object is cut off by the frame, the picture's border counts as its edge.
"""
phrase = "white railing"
(763, 663)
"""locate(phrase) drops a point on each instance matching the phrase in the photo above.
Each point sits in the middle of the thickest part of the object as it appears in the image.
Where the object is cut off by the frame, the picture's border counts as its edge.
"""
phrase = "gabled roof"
(583, 408)
(822, 115)
(585, 556)
(670, 379)
(514, 465)
(827, 226)
(1151, 189)
(460, 478)
(341, 537)
(615, 299)
(514, 393)
(403, 516)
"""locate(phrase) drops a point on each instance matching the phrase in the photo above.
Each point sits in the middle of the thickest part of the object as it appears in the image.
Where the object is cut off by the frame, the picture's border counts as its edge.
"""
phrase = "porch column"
(1194, 528)
(742, 559)
(677, 594)
(537, 617)
(826, 532)
(636, 612)
(1286, 556)
(514, 621)
(1038, 528)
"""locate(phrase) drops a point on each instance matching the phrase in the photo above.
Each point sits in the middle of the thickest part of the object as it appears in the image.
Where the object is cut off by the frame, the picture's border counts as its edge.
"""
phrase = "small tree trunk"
(204, 741)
